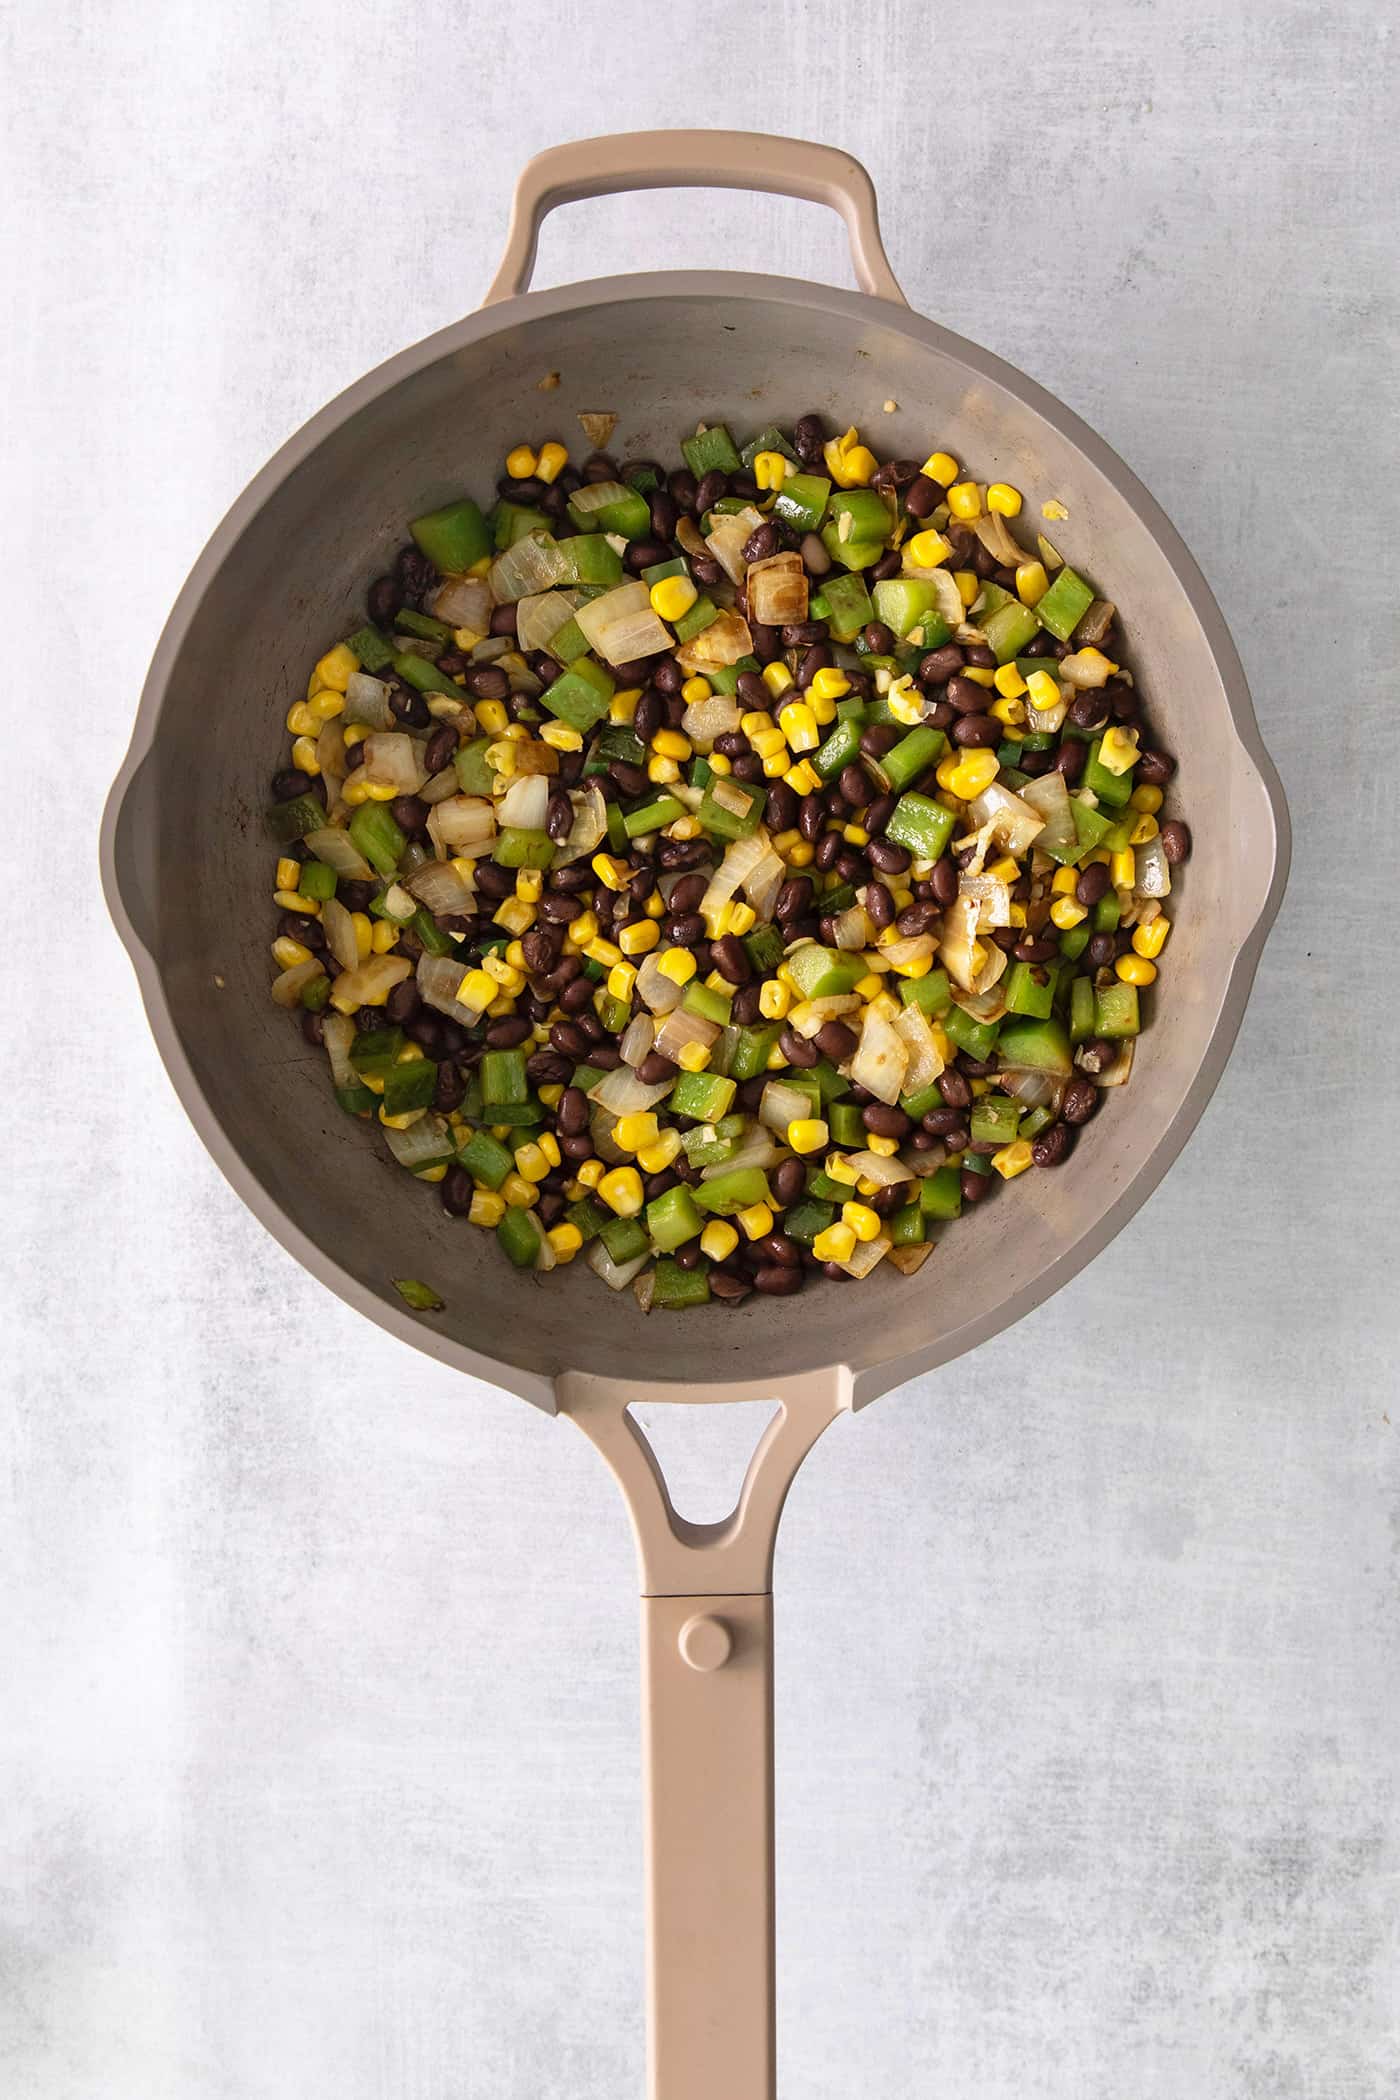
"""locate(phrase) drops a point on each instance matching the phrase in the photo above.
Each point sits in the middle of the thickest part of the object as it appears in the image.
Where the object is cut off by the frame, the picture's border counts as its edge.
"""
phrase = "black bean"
(1051, 1145)
(289, 783)
(761, 542)
(855, 787)
(728, 956)
(777, 1282)
(744, 1007)
(953, 1086)
(656, 1070)
(457, 1190)
(313, 1029)
(1070, 758)
(569, 1040)
(748, 767)
(878, 739)
(1033, 949)
(939, 665)
(558, 910)
(599, 466)
(967, 696)
(1088, 710)
(878, 815)
(887, 857)
(980, 657)
(415, 574)
(410, 813)
(979, 732)
(507, 1033)
(800, 634)
(827, 850)
(1155, 768)
(449, 1089)
(797, 1050)
(663, 514)
(808, 438)
(559, 816)
(836, 1041)
(383, 601)
(813, 659)
(794, 898)
(1093, 885)
(878, 638)
(944, 882)
(1176, 841)
(885, 1120)
(645, 554)
(629, 779)
(571, 1111)
(811, 816)
(409, 707)
(1096, 1056)
(922, 496)
(777, 1247)
(579, 1147)
(712, 487)
(916, 919)
(489, 682)
(1079, 1100)
(789, 1180)
(879, 906)
(975, 1186)
(685, 929)
(888, 565)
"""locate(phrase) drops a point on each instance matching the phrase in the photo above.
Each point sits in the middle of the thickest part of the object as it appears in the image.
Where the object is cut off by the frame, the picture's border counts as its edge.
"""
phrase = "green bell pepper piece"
(977, 1038)
(627, 514)
(846, 606)
(933, 994)
(486, 1159)
(907, 1226)
(844, 1123)
(613, 1013)
(592, 559)
(580, 696)
(406, 621)
(664, 809)
(672, 1219)
(659, 570)
(801, 502)
(905, 602)
(711, 448)
(625, 1238)
(1035, 1046)
(841, 748)
(1082, 1009)
(1073, 941)
(1091, 825)
(825, 973)
(749, 1056)
(425, 677)
(702, 614)
(918, 1105)
(474, 776)
(807, 1218)
(410, 1086)
(852, 554)
(292, 820)
(912, 755)
(511, 522)
(940, 1194)
(860, 514)
(829, 1083)
(315, 994)
(769, 440)
(374, 1051)
(995, 1119)
(825, 1189)
(733, 1191)
(1112, 789)
(317, 881)
(675, 1289)
(1116, 1012)
(1030, 989)
(722, 823)
(372, 650)
(522, 849)
(922, 826)
(356, 1100)
(764, 949)
(588, 1216)
(374, 831)
(434, 940)
(503, 1078)
(1064, 604)
(520, 1236)
(453, 538)
(1008, 629)
(703, 1095)
(711, 1144)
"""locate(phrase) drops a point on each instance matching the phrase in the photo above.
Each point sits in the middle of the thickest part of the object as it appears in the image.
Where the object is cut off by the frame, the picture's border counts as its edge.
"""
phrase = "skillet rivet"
(706, 1643)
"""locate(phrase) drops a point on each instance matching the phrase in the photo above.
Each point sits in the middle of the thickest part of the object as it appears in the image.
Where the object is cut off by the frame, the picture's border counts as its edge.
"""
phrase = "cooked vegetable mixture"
(726, 874)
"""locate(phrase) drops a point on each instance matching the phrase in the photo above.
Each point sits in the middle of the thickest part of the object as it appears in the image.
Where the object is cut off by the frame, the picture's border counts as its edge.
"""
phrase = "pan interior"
(437, 423)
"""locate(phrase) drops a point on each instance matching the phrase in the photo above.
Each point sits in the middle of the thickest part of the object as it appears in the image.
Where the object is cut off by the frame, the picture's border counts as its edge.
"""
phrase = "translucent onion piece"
(615, 1274)
(852, 928)
(781, 1105)
(756, 1149)
(594, 495)
(1094, 626)
(1120, 1071)
(1044, 721)
(742, 857)
(706, 719)
(337, 1034)
(330, 753)
(680, 1029)
(367, 701)
(424, 1144)
(992, 897)
(991, 973)
(725, 641)
(391, 760)
(371, 982)
(913, 948)
(464, 824)
(621, 624)
(523, 805)
(462, 601)
(909, 1260)
(644, 1289)
(763, 882)
(439, 977)
(538, 619)
(1050, 797)
(492, 647)
(545, 1257)
(726, 537)
(339, 851)
(1154, 873)
(867, 1256)
(812, 1015)
(399, 903)
(655, 989)
(532, 564)
(637, 1039)
(994, 533)
(886, 1173)
(1014, 823)
(925, 1062)
(621, 1093)
(777, 589)
(600, 1128)
(339, 929)
(439, 786)
(286, 989)
(590, 826)
(1032, 1089)
(690, 539)
(881, 1060)
(959, 933)
(439, 886)
(1086, 669)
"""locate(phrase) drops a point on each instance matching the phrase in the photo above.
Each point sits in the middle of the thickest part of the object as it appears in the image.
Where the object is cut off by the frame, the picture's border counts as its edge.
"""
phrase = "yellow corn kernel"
(672, 596)
(905, 703)
(591, 1173)
(1122, 867)
(830, 684)
(855, 835)
(1147, 799)
(354, 733)
(634, 1131)
(292, 900)
(1065, 912)
(580, 931)
(801, 778)
(1001, 497)
(719, 1239)
(1144, 829)
(776, 1061)
(477, 990)
(488, 1207)
(1063, 882)
(800, 855)
(514, 914)
(529, 886)
(304, 756)
(972, 774)
(678, 965)
(785, 976)
(621, 1190)
(720, 764)
(770, 470)
(1136, 969)
(491, 717)
(919, 966)
(551, 460)
(969, 584)
(926, 550)
(1150, 940)
(671, 744)
(612, 873)
(287, 953)
(807, 1134)
(531, 1162)
(655, 906)
(756, 722)
(1044, 691)
(799, 724)
(823, 711)
(500, 757)
(550, 1095)
(663, 772)
(639, 938)
(778, 679)
(784, 841)
(506, 975)
(1012, 1159)
(756, 1221)
(840, 1169)
(869, 986)
(520, 1192)
(768, 742)
(600, 951)
(979, 674)
(695, 690)
(337, 667)
(521, 463)
(851, 466)
(1054, 510)
(621, 980)
(623, 706)
(694, 1057)
(559, 736)
(1118, 749)
(742, 918)
(1031, 582)
(384, 938)
(326, 705)
(288, 872)
(1011, 712)
(437, 1173)
(837, 1243)
(565, 1239)
(654, 1159)
(300, 720)
(1005, 869)
(1009, 682)
(965, 500)
(940, 467)
(364, 932)
(774, 1000)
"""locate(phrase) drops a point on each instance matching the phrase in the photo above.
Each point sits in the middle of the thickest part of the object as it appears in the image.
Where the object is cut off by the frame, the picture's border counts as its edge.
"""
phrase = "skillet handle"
(723, 160)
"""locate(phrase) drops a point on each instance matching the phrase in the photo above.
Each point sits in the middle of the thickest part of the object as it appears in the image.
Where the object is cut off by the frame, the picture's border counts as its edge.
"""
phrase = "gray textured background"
(317, 1665)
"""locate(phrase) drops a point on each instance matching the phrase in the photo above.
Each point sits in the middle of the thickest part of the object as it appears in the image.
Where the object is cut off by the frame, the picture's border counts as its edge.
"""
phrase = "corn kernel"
(837, 1243)
(476, 990)
(1147, 799)
(799, 724)
(612, 873)
(654, 1159)
(807, 1134)
(971, 775)
(300, 720)
(551, 460)
(969, 584)
(1122, 867)
(634, 1131)
(529, 886)
(770, 469)
(288, 873)
(1066, 912)
(1003, 499)
(678, 965)
(882, 1147)
(756, 722)
(694, 1057)
(778, 679)
(639, 938)
(605, 952)
(1010, 712)
(940, 467)
(719, 1239)
(695, 690)
(850, 465)
(1044, 691)
(1054, 510)
(1009, 682)
(531, 1162)
(354, 733)
(621, 980)
(655, 906)
(766, 738)
(487, 1207)
(292, 900)
(591, 1173)
(336, 667)
(621, 1190)
(491, 717)
(506, 975)
(580, 931)
(1031, 582)
(802, 778)
(756, 1222)
(520, 1192)
(287, 953)
(855, 834)
(926, 550)
(830, 683)
(776, 1060)
(1012, 1159)
(1136, 969)
(326, 705)
(364, 932)
(800, 855)
(720, 764)
(672, 596)
(514, 914)
(965, 500)
(1118, 749)
(1144, 829)
(905, 703)
(521, 463)
(384, 938)
(823, 711)
(565, 1239)
(1063, 882)
(869, 986)
(560, 737)
(774, 1000)
(1150, 940)
(742, 917)
(671, 744)
(304, 756)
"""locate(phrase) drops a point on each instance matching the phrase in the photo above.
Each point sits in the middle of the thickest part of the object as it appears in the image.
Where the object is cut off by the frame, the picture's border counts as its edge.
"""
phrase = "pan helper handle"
(716, 160)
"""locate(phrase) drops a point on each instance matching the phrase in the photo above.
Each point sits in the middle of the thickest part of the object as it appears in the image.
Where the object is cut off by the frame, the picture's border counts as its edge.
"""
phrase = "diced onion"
(392, 760)
(439, 886)
(367, 701)
(621, 1093)
(887, 1173)
(914, 947)
(439, 786)
(590, 826)
(1049, 796)
(439, 977)
(781, 1105)
(615, 1274)
(1154, 873)
(726, 537)
(1044, 721)
(680, 1029)
(868, 1255)
(371, 982)
(756, 1149)
(539, 618)
(339, 929)
(925, 1062)
(464, 824)
(909, 1260)
(777, 589)
(462, 601)
(330, 753)
(655, 989)
(1014, 823)
(812, 1015)
(994, 533)
(1032, 1089)
(990, 973)
(621, 624)
(725, 641)
(532, 564)
(636, 1040)
(424, 1144)
(881, 1060)
(339, 851)
(852, 928)
(524, 803)
(1086, 668)
(991, 896)
(286, 989)
(706, 719)
(959, 933)
(1120, 1071)
(949, 604)
(337, 1034)
(745, 861)
(398, 903)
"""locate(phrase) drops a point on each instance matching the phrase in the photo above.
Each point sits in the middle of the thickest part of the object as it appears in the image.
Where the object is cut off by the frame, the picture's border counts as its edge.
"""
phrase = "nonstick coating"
(187, 860)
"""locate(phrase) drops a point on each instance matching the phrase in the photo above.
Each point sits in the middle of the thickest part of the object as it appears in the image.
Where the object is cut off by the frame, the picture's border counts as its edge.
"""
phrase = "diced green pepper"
(940, 1194)
(625, 1238)
(1082, 1009)
(995, 1118)
(659, 570)
(315, 994)
(512, 522)
(711, 1144)
(374, 831)
(825, 973)
(1091, 824)
(702, 614)
(516, 1114)
(724, 823)
(421, 1296)
(409, 1086)
(907, 1226)
(675, 1289)
(852, 554)
(453, 538)
(423, 676)
(369, 645)
(1112, 789)
(374, 1051)
(807, 1218)
(503, 1079)
(486, 1159)
(292, 820)
(801, 502)
(769, 440)
(1035, 1046)
(652, 816)
(521, 1237)
(751, 1049)
(827, 1190)
(703, 1095)
(764, 948)
(733, 1191)
(921, 825)
(841, 748)
(356, 1100)
(1116, 1012)
(591, 559)
(847, 606)
(933, 994)
(316, 881)
(513, 848)
(1064, 604)
(407, 621)
(704, 1000)
(1073, 941)
(918, 1105)
(709, 449)
(844, 1122)
(1107, 912)
(1030, 989)
(912, 755)
(580, 696)
(1008, 629)
(435, 941)
(672, 1219)
(976, 1038)
(829, 1083)
(474, 776)
(627, 514)
(904, 602)
(860, 514)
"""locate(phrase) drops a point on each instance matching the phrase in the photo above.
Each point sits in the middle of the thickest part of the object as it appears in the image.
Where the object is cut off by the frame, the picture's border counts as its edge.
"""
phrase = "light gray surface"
(317, 1740)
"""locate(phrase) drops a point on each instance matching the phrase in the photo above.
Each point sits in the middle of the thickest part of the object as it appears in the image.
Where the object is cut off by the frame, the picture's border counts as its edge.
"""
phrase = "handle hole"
(717, 229)
(704, 1451)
